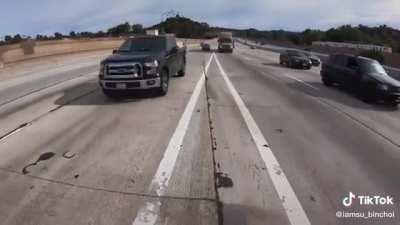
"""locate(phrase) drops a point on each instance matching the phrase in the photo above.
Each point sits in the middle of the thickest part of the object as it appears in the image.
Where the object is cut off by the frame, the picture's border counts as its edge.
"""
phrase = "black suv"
(364, 75)
(295, 59)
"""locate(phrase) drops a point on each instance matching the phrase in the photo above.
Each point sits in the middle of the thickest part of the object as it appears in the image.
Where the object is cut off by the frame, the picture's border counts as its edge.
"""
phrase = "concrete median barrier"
(31, 49)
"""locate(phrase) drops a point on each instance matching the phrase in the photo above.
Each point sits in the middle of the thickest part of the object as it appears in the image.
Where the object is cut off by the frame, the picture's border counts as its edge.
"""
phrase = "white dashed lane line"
(292, 206)
(286, 75)
(300, 81)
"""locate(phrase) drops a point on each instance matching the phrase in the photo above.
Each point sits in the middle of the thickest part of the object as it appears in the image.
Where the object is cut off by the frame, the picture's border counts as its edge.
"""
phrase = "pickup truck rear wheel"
(164, 82)
(392, 103)
(182, 72)
(327, 82)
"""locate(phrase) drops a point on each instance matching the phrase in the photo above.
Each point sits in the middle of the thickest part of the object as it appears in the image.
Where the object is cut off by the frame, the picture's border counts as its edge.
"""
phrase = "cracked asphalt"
(70, 155)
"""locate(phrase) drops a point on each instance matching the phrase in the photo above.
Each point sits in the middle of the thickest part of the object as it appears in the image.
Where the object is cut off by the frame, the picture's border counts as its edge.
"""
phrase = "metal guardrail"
(393, 72)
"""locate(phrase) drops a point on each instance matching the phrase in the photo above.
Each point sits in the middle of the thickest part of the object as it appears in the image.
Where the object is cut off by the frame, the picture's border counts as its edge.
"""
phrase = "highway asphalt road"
(249, 143)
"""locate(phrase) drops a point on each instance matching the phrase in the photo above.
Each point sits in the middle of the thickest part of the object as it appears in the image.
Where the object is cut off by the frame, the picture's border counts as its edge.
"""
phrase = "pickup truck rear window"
(143, 45)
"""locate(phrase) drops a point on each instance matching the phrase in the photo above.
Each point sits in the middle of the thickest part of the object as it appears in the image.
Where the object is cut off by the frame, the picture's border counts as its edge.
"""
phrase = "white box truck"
(225, 42)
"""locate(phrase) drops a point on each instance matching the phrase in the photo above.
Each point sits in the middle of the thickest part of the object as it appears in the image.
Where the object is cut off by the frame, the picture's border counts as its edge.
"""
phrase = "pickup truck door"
(172, 56)
(339, 69)
(352, 75)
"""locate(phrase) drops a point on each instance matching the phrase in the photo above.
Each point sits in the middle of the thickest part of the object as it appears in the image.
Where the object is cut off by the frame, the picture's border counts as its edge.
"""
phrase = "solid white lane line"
(148, 214)
(291, 204)
(301, 81)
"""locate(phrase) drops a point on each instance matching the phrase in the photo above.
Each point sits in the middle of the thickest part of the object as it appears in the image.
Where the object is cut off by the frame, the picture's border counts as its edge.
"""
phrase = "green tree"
(378, 56)
(309, 36)
(72, 34)
(121, 29)
(58, 36)
(8, 38)
(137, 29)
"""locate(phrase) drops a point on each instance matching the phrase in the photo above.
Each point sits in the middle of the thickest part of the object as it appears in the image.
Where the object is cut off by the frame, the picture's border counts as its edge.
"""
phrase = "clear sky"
(31, 17)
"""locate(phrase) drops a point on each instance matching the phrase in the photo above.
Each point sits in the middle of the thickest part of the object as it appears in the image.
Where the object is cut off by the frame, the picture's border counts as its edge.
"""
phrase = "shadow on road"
(282, 66)
(89, 93)
(199, 50)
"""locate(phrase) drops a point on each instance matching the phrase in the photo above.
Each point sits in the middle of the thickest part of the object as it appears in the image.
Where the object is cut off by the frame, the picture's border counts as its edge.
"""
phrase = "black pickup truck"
(145, 62)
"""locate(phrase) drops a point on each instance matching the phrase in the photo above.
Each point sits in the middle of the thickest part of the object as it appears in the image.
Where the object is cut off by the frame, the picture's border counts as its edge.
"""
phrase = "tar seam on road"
(291, 205)
(300, 81)
(138, 194)
(213, 142)
(149, 212)
(357, 121)
(43, 88)
(24, 125)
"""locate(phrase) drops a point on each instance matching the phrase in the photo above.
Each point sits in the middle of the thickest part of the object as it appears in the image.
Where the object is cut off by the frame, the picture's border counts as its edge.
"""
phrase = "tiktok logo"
(348, 201)
(367, 200)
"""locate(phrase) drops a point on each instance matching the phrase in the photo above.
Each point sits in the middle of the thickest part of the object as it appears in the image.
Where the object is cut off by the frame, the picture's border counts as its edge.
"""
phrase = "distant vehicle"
(205, 46)
(364, 75)
(315, 61)
(295, 59)
(145, 62)
(226, 42)
(153, 32)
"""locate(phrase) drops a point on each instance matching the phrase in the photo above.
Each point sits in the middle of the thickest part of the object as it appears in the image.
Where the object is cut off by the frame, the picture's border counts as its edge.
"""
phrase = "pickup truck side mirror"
(115, 51)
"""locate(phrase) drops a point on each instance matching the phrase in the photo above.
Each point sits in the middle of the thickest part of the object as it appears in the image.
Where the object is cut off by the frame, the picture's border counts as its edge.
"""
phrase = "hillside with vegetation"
(185, 27)
(381, 35)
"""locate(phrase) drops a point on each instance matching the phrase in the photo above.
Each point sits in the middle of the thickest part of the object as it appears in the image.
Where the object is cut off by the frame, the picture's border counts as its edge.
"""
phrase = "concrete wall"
(25, 51)
(20, 52)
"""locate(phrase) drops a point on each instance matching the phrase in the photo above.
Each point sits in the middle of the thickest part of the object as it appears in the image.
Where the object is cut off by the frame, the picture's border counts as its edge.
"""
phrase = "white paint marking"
(291, 204)
(301, 81)
(148, 214)
(11, 134)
